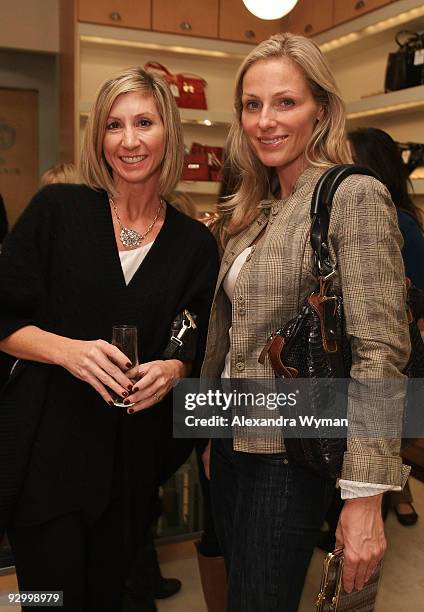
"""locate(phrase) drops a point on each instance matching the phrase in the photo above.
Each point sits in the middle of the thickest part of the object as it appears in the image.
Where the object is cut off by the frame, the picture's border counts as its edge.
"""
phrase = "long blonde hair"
(327, 145)
(94, 168)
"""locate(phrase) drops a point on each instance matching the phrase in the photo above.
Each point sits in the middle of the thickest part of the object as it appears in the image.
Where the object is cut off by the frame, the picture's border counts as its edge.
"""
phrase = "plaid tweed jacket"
(365, 241)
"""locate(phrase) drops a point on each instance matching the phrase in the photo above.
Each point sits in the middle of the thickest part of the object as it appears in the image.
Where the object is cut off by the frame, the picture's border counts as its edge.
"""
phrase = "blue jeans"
(267, 514)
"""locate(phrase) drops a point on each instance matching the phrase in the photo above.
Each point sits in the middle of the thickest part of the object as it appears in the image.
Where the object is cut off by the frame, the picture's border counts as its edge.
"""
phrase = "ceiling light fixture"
(269, 9)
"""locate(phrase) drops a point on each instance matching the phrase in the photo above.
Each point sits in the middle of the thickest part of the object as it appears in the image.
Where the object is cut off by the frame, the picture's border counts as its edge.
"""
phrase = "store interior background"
(63, 49)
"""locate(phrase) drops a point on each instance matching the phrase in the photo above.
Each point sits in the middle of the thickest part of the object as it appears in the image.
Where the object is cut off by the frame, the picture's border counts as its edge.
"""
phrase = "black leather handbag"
(412, 155)
(314, 344)
(405, 67)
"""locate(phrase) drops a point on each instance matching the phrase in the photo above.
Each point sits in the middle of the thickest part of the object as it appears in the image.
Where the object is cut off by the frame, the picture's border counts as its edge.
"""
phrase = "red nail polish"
(135, 390)
(130, 410)
(110, 403)
(130, 387)
(129, 364)
(124, 394)
(126, 402)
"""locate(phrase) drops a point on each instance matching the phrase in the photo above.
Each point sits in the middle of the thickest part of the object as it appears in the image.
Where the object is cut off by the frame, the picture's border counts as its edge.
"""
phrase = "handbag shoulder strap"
(414, 37)
(157, 67)
(322, 199)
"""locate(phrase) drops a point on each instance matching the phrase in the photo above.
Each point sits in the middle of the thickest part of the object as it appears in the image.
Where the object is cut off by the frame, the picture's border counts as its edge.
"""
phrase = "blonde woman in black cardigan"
(78, 473)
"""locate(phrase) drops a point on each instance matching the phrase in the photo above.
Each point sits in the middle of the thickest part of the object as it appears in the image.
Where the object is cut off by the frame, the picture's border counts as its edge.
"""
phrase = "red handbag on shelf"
(195, 167)
(203, 163)
(187, 89)
(214, 156)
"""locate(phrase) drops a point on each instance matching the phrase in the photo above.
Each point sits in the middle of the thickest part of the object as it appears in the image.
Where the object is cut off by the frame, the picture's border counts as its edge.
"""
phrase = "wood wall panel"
(18, 148)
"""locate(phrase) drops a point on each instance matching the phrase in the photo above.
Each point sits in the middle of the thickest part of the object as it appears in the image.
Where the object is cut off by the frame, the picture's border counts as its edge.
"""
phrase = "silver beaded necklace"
(129, 237)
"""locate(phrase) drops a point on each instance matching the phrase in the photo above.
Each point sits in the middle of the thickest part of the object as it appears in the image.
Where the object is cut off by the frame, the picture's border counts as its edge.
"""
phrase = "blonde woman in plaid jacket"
(288, 129)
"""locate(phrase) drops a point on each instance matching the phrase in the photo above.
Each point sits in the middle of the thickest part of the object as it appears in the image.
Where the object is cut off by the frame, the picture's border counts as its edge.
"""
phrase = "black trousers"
(209, 545)
(67, 554)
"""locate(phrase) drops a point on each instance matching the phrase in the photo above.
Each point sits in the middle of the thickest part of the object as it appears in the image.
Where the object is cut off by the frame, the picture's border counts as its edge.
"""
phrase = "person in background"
(184, 203)
(6, 361)
(377, 150)
(79, 475)
(4, 225)
(209, 553)
(289, 128)
(60, 173)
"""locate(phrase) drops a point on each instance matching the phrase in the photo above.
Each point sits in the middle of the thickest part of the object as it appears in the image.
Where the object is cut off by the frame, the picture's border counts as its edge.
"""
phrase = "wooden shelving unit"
(193, 117)
(357, 52)
(199, 187)
(373, 27)
(387, 103)
(109, 37)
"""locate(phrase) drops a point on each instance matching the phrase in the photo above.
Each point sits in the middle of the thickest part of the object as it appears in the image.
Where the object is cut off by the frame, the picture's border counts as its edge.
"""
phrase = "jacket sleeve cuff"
(375, 469)
(353, 490)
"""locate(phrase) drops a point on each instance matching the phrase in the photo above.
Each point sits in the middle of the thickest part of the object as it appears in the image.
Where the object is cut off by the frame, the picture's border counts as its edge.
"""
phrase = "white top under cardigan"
(131, 260)
(349, 489)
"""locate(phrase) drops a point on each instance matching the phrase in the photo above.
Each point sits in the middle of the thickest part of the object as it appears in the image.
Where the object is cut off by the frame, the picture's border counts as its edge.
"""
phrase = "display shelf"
(212, 188)
(357, 51)
(200, 187)
(388, 103)
(204, 118)
(111, 37)
(371, 28)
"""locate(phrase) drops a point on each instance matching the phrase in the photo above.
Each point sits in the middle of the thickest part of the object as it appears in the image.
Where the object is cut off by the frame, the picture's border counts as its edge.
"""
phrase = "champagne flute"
(125, 338)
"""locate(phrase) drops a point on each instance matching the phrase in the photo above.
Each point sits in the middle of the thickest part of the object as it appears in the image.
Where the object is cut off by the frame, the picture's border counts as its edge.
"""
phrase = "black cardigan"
(61, 447)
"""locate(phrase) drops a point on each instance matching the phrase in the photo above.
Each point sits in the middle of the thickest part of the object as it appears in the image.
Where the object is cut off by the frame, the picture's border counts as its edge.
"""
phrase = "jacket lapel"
(237, 244)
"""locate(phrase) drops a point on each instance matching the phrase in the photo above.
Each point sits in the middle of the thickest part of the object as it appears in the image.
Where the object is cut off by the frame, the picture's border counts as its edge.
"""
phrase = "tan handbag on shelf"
(332, 597)
(188, 89)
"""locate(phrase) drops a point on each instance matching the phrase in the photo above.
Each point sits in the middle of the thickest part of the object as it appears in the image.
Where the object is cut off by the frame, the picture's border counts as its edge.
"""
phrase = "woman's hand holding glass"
(156, 379)
(99, 364)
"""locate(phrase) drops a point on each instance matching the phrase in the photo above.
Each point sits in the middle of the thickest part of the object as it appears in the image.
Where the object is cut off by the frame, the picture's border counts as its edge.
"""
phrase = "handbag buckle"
(192, 324)
(327, 277)
(330, 275)
(185, 326)
(187, 323)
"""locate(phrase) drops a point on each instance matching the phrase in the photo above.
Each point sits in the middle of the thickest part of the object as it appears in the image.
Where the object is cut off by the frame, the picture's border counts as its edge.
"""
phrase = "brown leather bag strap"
(317, 303)
(273, 348)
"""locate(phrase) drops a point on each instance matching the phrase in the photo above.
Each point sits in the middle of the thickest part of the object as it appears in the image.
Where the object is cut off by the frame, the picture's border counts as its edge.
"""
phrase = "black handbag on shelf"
(314, 344)
(412, 155)
(405, 67)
